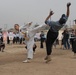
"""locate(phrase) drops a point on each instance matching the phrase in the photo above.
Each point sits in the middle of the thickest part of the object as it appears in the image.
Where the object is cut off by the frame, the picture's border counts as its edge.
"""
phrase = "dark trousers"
(14, 40)
(74, 46)
(66, 43)
(71, 41)
(17, 39)
(51, 37)
(8, 41)
(20, 40)
(41, 43)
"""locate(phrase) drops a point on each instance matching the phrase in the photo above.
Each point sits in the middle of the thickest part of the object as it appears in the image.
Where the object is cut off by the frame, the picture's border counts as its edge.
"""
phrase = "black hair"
(62, 19)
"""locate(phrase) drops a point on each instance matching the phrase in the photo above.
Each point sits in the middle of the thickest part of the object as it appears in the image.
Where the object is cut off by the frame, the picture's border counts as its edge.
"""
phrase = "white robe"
(31, 33)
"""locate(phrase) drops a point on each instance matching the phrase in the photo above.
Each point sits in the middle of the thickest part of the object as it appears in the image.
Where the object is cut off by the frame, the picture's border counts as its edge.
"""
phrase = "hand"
(51, 13)
(68, 4)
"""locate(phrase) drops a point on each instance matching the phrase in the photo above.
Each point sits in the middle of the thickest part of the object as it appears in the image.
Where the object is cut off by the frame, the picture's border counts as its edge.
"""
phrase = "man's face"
(16, 27)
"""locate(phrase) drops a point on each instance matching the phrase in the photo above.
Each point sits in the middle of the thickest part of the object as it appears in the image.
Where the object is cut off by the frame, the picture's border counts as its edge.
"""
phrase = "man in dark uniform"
(53, 31)
(42, 39)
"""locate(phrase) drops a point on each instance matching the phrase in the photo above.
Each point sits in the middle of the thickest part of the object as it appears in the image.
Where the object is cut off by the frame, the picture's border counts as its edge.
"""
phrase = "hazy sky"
(23, 11)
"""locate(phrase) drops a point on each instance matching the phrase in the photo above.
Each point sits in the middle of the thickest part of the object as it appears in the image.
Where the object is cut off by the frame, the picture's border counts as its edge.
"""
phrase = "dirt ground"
(63, 62)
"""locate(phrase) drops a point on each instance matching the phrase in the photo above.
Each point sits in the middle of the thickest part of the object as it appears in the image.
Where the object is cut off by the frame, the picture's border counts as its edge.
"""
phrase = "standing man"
(66, 39)
(53, 31)
(42, 39)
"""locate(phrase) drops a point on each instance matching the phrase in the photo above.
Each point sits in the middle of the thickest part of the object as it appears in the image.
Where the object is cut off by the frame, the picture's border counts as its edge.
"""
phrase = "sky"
(24, 11)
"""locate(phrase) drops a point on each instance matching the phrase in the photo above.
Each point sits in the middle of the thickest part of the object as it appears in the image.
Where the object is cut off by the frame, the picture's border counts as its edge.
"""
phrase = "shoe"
(26, 61)
(48, 59)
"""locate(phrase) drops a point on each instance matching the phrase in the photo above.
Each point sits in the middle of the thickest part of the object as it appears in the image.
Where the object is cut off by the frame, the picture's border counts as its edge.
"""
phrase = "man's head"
(16, 26)
(62, 19)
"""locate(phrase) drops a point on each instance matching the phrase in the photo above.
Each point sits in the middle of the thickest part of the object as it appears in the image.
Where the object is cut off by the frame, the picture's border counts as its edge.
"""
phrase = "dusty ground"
(63, 62)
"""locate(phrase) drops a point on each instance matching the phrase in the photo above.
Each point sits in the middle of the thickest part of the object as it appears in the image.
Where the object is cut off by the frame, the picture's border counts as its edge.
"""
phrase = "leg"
(41, 44)
(65, 47)
(74, 47)
(51, 37)
(29, 44)
(68, 44)
(34, 48)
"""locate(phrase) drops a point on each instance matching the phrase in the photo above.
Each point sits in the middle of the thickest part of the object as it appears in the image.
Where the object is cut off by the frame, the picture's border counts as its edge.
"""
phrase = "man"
(28, 41)
(65, 39)
(42, 39)
(29, 37)
(53, 31)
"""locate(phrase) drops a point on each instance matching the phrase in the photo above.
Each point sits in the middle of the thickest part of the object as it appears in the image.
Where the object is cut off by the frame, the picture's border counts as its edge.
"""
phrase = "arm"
(49, 16)
(68, 10)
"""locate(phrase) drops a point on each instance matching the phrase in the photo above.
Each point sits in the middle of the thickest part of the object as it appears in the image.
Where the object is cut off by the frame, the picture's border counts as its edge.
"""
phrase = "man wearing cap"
(53, 31)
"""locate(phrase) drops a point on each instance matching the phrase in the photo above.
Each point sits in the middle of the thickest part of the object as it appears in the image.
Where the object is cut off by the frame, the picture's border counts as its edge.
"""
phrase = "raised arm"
(49, 16)
(68, 9)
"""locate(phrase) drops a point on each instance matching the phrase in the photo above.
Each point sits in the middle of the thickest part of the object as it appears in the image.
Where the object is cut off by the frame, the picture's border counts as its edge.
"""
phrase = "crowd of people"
(27, 32)
(14, 38)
